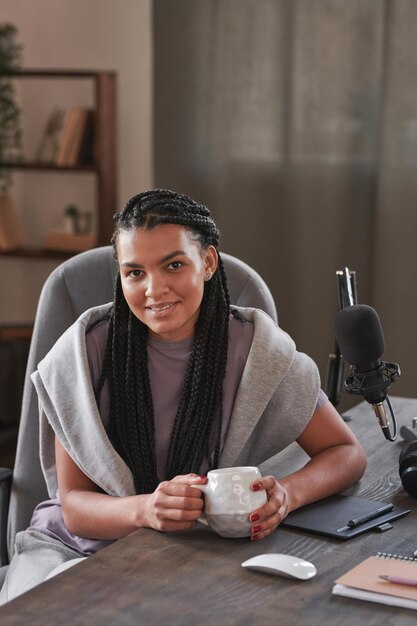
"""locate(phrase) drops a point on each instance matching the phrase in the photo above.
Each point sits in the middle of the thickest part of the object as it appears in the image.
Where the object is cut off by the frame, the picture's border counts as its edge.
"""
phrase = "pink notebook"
(363, 582)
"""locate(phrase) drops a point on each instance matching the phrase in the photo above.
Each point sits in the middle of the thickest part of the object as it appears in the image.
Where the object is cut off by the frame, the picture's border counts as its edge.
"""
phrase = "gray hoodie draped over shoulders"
(275, 400)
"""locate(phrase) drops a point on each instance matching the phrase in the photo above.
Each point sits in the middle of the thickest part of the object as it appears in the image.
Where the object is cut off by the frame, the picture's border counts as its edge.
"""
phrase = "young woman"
(141, 397)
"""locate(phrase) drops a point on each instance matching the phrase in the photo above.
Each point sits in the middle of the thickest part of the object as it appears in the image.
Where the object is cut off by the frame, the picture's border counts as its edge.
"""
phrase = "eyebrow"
(164, 259)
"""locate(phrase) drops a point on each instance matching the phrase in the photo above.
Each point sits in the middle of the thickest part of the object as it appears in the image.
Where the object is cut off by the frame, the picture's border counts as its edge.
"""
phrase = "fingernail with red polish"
(254, 537)
(254, 517)
(256, 529)
(256, 486)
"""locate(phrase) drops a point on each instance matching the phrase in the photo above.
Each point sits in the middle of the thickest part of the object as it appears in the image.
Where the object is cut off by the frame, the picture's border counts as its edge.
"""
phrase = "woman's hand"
(88, 512)
(270, 515)
(174, 505)
(336, 462)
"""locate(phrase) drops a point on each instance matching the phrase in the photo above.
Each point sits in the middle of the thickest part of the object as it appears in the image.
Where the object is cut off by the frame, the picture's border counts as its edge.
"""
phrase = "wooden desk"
(195, 577)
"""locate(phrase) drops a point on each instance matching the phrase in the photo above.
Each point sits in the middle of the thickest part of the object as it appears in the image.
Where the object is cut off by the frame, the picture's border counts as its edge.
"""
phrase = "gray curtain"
(296, 122)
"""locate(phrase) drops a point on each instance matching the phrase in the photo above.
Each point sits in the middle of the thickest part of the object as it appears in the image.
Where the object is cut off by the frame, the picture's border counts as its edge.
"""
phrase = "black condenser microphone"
(361, 341)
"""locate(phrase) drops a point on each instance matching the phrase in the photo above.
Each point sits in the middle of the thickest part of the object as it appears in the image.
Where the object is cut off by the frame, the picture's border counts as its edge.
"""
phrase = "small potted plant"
(10, 134)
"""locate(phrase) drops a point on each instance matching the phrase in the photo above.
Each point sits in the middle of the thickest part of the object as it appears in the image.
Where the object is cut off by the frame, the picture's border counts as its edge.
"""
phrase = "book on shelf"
(66, 137)
(77, 138)
(364, 581)
(68, 242)
(47, 149)
(11, 230)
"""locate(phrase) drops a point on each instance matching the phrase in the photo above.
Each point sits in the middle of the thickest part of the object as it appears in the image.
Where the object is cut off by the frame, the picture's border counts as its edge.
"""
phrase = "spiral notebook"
(363, 582)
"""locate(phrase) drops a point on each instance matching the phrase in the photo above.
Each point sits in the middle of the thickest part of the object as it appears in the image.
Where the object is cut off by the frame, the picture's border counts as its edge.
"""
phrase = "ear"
(211, 260)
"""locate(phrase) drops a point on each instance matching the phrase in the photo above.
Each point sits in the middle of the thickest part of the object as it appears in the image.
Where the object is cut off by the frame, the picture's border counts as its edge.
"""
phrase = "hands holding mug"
(238, 502)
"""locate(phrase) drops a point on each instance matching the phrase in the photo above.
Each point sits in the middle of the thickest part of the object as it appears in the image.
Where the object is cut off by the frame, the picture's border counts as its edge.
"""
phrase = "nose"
(155, 285)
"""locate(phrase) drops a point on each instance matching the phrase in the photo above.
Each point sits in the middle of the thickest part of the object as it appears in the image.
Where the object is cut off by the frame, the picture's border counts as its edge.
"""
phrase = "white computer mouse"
(282, 565)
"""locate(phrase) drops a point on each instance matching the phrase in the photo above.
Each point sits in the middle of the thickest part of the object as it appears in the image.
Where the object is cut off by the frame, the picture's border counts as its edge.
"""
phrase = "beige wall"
(76, 34)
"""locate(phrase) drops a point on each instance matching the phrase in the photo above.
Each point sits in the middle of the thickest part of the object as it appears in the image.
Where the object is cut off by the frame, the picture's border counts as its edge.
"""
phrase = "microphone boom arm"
(347, 296)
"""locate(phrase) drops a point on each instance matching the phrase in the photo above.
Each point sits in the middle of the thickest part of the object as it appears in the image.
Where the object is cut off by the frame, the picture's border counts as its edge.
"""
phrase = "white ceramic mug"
(229, 500)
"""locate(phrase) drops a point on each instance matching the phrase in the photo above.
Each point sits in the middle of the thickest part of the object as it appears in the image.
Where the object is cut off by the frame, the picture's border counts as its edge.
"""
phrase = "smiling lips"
(160, 309)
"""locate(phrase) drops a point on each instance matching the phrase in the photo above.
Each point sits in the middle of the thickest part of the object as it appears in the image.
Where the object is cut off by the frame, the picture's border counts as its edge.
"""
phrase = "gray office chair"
(84, 281)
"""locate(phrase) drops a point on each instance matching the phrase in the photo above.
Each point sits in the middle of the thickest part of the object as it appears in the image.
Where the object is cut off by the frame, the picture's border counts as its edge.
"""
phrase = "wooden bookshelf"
(104, 167)
(33, 165)
(37, 253)
(15, 332)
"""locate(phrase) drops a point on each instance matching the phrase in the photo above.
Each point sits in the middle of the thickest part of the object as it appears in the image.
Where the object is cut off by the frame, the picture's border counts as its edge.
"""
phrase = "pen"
(353, 523)
(397, 580)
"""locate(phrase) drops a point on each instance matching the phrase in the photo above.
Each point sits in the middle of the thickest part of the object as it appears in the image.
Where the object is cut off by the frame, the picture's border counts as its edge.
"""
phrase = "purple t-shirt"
(167, 363)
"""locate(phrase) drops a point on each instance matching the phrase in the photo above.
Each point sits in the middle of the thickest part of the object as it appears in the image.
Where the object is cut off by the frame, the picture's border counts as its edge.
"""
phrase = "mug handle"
(202, 519)
(202, 488)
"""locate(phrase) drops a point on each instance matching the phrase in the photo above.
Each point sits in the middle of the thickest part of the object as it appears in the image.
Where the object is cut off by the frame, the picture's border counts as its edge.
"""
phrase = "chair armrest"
(5, 487)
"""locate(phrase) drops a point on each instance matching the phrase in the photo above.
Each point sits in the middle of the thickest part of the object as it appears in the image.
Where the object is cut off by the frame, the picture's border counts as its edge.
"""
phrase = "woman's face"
(162, 273)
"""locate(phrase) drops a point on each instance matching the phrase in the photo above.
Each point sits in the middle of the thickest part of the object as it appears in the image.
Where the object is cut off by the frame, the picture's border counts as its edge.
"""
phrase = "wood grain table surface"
(195, 577)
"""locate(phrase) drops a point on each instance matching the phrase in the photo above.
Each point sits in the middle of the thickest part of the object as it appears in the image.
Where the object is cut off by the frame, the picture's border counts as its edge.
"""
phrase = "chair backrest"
(84, 281)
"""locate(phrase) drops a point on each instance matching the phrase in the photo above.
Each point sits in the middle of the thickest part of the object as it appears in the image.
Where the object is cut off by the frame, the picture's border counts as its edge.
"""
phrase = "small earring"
(208, 275)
